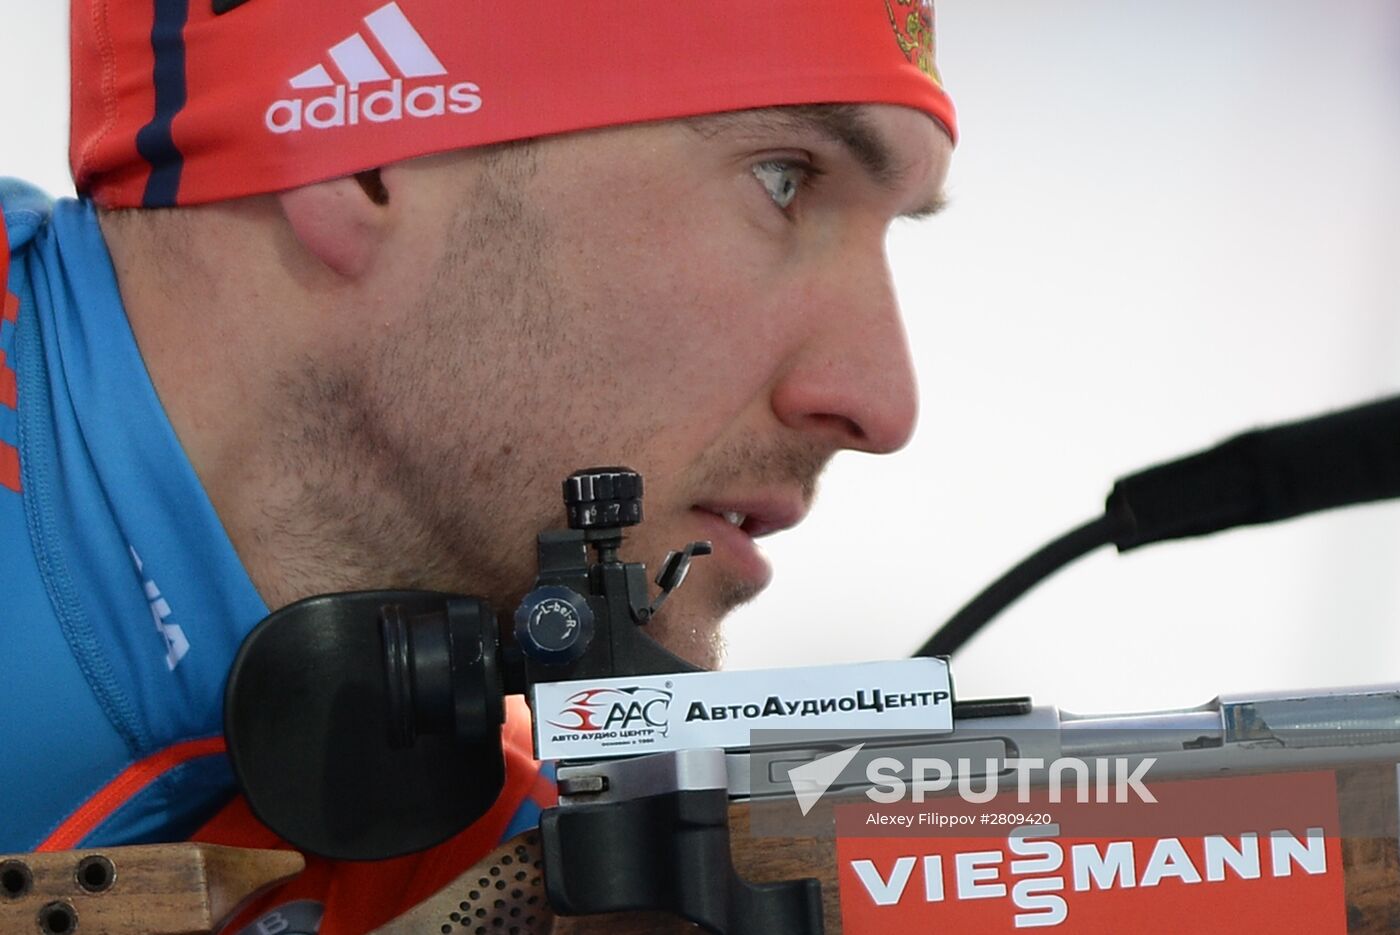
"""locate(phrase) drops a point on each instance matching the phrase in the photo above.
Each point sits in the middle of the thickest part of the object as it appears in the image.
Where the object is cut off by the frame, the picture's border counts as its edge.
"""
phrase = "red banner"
(1276, 868)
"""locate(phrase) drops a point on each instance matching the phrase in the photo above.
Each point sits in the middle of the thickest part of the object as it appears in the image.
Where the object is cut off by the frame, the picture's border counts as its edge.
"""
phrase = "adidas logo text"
(342, 108)
(347, 104)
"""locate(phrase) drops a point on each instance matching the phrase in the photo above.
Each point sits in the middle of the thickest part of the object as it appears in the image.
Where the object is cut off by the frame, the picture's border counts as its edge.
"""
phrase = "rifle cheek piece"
(367, 725)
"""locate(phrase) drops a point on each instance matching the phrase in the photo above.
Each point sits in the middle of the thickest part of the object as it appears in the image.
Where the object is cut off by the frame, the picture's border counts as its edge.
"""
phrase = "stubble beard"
(390, 481)
(397, 476)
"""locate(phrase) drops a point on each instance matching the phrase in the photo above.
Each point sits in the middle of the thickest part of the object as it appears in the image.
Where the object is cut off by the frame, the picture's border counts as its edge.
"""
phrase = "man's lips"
(761, 516)
(734, 543)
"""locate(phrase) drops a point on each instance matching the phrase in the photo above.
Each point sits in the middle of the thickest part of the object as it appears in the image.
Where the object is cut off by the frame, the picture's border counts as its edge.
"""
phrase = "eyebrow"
(839, 123)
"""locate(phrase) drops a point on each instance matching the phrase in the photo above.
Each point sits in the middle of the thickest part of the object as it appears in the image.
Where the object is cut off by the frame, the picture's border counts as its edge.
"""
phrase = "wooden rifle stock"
(756, 859)
(184, 889)
(150, 889)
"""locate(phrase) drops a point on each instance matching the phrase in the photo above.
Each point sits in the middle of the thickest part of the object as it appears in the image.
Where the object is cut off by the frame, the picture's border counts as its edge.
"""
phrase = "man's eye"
(783, 180)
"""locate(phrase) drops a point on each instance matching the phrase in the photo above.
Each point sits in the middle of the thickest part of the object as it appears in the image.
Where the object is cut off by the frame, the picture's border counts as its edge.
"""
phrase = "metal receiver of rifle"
(1231, 734)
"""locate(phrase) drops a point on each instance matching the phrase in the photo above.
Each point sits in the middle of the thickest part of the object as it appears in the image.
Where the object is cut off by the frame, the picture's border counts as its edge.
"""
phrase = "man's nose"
(851, 379)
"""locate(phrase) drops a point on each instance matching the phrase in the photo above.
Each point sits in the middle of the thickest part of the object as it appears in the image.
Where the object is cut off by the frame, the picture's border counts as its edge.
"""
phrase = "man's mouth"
(758, 516)
(733, 526)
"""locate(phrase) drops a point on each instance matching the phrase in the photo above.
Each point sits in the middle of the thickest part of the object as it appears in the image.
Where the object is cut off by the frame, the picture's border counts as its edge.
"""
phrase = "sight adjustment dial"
(603, 498)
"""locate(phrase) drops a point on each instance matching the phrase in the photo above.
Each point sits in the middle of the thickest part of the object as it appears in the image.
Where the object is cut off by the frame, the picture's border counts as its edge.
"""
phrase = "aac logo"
(357, 62)
(593, 710)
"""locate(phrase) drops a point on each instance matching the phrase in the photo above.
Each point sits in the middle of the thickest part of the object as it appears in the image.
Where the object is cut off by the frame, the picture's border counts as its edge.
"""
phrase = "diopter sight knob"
(603, 498)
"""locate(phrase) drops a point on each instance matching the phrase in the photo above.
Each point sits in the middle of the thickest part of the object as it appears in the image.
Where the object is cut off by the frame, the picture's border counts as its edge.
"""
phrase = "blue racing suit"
(122, 601)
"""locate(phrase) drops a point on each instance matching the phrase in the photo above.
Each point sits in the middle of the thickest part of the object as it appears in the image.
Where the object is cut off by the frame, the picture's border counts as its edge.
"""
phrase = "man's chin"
(700, 644)
(691, 624)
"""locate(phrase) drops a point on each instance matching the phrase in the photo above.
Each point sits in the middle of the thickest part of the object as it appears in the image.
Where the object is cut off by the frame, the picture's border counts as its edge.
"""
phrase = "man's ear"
(340, 222)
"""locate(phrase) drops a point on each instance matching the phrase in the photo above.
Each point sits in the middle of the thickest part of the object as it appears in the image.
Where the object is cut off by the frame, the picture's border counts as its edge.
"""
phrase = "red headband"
(175, 103)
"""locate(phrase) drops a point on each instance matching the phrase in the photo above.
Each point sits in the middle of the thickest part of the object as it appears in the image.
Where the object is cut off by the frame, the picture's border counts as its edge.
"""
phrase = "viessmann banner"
(1273, 864)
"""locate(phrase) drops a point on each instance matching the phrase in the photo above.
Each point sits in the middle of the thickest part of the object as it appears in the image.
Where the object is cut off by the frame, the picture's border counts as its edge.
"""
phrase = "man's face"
(707, 302)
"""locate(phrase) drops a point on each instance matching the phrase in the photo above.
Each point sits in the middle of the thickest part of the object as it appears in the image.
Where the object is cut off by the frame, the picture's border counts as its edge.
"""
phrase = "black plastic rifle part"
(653, 834)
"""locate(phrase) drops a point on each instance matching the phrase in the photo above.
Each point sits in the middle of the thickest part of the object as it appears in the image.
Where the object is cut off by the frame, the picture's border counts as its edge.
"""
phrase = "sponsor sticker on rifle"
(603, 718)
(1272, 862)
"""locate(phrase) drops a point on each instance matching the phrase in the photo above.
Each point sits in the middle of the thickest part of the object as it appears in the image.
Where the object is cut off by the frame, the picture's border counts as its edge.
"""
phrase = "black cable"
(1338, 459)
(1000, 594)
(1262, 476)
